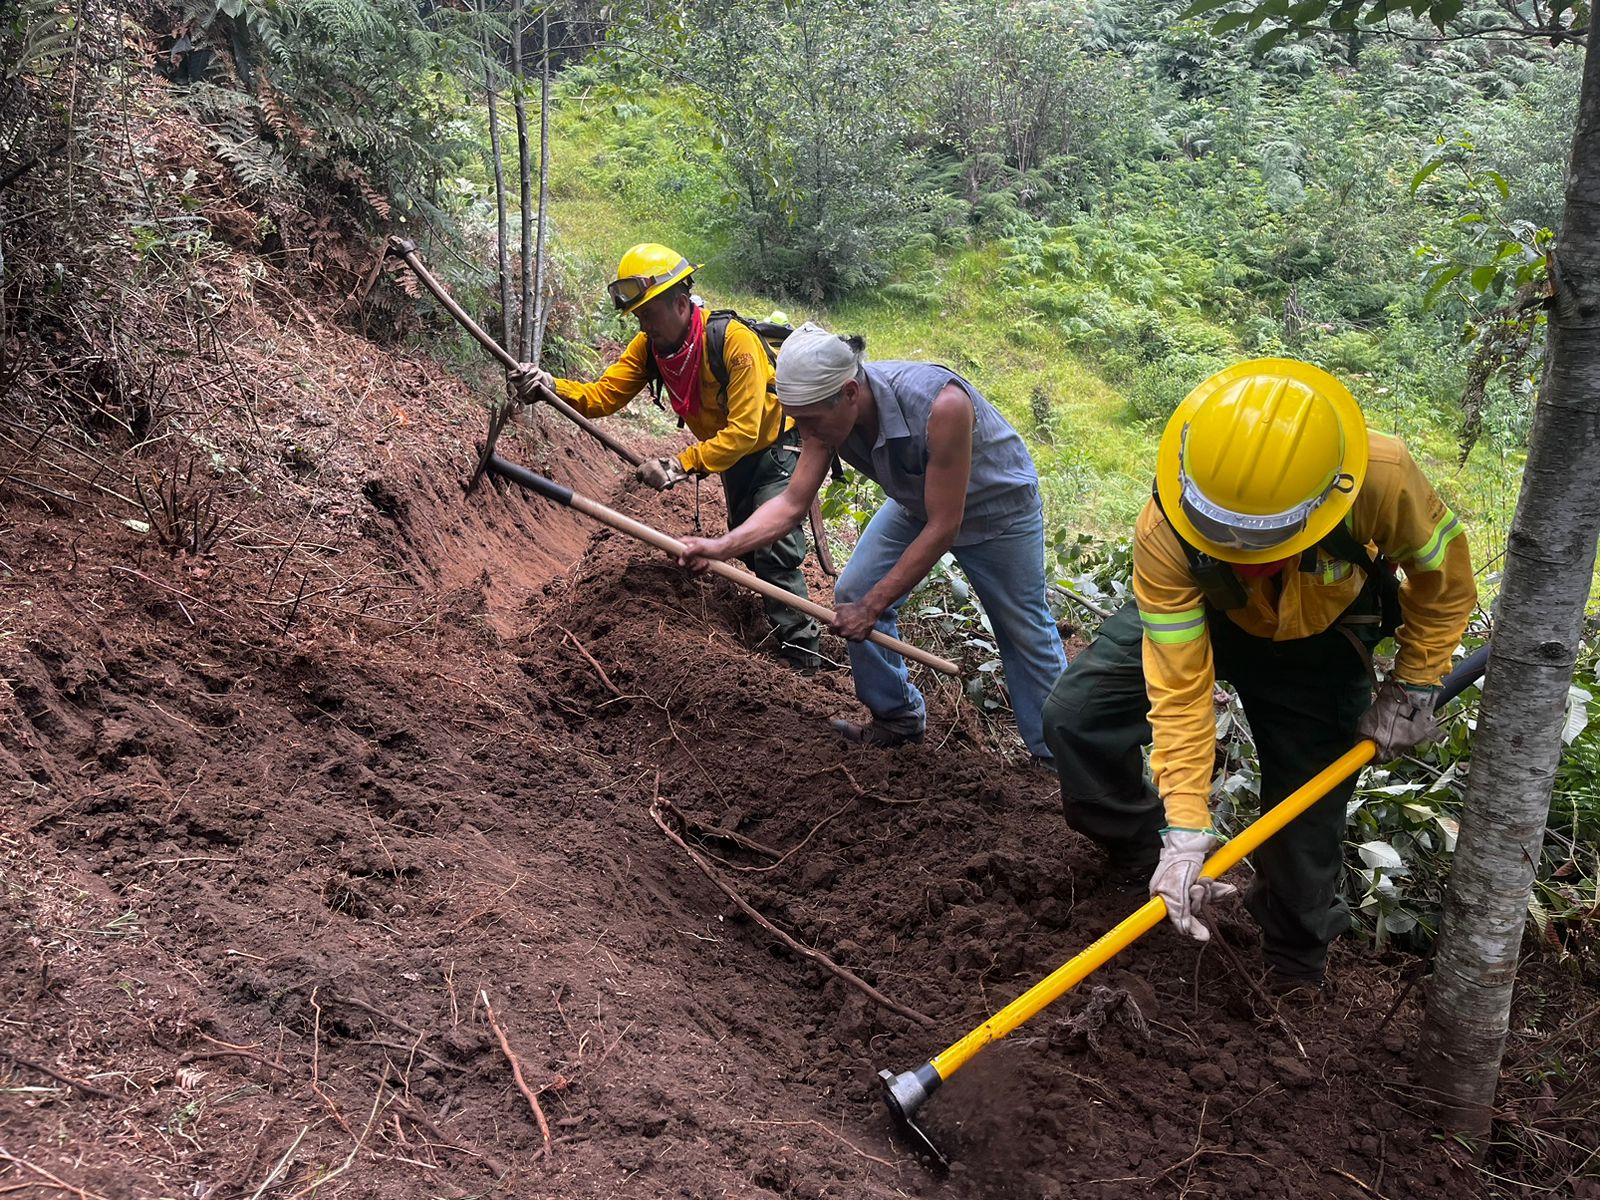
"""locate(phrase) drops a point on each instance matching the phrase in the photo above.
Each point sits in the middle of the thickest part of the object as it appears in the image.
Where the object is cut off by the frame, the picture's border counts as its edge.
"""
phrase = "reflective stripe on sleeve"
(1170, 629)
(1431, 556)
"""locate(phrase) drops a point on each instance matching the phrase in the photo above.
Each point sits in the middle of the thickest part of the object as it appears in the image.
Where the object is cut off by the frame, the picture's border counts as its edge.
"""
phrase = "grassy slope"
(1094, 458)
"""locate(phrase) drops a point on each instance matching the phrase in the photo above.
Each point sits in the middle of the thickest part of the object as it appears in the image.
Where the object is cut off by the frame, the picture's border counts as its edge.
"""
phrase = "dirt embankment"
(256, 882)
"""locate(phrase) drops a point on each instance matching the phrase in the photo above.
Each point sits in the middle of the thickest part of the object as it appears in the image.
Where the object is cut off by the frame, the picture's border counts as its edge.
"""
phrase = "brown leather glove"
(526, 381)
(1400, 719)
(1178, 881)
(660, 473)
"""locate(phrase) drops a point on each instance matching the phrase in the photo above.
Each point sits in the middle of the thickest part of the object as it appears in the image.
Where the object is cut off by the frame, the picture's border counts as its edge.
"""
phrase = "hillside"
(309, 759)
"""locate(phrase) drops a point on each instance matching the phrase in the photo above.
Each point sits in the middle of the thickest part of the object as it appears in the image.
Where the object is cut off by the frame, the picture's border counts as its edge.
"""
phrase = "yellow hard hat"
(1262, 460)
(646, 271)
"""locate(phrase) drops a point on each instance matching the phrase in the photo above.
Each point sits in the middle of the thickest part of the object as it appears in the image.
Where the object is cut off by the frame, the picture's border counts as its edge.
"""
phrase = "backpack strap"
(1217, 581)
(717, 347)
(1341, 542)
(1220, 585)
(652, 380)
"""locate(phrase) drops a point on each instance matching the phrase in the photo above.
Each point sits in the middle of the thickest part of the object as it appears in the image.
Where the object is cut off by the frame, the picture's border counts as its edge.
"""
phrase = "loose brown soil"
(256, 881)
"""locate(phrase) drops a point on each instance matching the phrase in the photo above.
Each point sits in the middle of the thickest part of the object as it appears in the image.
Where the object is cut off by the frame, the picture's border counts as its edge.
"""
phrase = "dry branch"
(425, 1123)
(599, 670)
(88, 1089)
(816, 956)
(516, 1071)
(53, 1180)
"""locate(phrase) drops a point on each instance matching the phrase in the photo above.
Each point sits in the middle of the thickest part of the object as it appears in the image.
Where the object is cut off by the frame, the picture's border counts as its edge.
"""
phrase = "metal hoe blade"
(904, 1094)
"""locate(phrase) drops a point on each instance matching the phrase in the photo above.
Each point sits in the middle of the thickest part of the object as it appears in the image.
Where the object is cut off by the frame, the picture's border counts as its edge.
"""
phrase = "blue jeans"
(1007, 572)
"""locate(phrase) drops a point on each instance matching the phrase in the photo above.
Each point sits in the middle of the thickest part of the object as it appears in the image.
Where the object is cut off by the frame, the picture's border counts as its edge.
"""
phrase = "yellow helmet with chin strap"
(1262, 460)
(646, 271)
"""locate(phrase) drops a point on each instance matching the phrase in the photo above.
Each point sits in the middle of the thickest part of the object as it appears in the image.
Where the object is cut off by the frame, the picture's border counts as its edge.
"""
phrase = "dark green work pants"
(747, 485)
(1303, 699)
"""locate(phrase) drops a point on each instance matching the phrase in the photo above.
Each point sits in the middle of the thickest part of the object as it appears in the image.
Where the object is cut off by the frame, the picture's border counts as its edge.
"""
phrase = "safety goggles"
(1247, 531)
(628, 291)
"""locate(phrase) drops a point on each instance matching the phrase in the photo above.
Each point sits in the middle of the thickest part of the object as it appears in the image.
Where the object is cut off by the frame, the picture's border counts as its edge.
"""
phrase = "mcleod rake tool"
(905, 1093)
(551, 490)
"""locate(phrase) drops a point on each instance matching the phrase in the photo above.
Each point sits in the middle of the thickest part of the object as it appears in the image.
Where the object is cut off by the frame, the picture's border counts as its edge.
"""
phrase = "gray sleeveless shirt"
(1004, 484)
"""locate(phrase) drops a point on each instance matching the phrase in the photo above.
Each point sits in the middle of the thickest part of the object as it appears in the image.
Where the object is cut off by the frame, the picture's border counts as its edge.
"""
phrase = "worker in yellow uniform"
(718, 377)
(1265, 557)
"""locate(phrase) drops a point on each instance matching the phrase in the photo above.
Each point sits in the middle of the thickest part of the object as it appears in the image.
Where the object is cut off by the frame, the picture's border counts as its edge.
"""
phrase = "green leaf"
(1500, 183)
(1200, 7)
(1483, 277)
(1443, 281)
(1577, 713)
(1272, 37)
(1381, 856)
(1421, 176)
(1306, 11)
(1230, 21)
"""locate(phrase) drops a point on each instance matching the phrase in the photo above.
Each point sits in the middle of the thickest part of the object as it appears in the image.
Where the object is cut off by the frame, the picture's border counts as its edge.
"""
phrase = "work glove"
(526, 381)
(1400, 719)
(660, 473)
(1178, 881)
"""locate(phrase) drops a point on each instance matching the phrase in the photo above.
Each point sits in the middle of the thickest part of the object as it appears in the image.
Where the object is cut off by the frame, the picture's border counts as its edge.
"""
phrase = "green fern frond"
(34, 40)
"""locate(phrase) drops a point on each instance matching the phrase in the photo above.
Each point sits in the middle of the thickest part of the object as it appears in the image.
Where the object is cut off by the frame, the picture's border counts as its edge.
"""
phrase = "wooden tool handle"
(408, 251)
(645, 533)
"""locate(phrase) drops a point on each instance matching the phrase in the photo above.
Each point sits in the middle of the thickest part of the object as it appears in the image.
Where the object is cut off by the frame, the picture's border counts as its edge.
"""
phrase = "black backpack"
(1219, 582)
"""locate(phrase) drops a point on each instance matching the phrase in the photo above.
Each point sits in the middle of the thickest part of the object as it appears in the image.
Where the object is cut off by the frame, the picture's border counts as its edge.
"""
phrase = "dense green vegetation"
(1096, 208)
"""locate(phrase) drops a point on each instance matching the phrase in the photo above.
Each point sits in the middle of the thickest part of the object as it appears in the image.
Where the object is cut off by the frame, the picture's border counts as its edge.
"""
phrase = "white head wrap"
(813, 365)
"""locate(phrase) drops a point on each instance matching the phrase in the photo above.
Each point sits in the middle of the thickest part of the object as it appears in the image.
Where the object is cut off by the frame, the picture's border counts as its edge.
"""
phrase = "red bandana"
(680, 371)
(1257, 570)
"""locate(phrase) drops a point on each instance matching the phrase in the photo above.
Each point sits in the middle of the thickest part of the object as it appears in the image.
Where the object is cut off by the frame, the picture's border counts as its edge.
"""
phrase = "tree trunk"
(525, 174)
(540, 282)
(1550, 559)
(490, 61)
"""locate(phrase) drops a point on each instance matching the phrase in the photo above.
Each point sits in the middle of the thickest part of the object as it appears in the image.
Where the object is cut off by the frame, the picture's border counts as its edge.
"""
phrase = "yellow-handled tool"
(908, 1091)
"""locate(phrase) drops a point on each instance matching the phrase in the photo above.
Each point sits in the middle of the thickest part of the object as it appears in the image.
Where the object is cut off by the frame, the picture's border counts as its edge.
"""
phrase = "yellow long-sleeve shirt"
(750, 421)
(1396, 510)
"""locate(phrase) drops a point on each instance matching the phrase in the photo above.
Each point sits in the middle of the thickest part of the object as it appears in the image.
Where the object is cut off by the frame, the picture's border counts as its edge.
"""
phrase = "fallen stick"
(822, 960)
(803, 842)
(551, 490)
(55, 1181)
(516, 1071)
(87, 1088)
(425, 1123)
(599, 670)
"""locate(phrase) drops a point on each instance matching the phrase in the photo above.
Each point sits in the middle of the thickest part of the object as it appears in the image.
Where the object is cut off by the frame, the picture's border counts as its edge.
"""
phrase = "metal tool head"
(905, 1093)
(498, 416)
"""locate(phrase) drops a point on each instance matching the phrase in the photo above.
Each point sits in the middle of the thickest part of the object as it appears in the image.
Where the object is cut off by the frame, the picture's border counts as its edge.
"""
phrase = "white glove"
(660, 473)
(1400, 719)
(1178, 881)
(526, 381)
